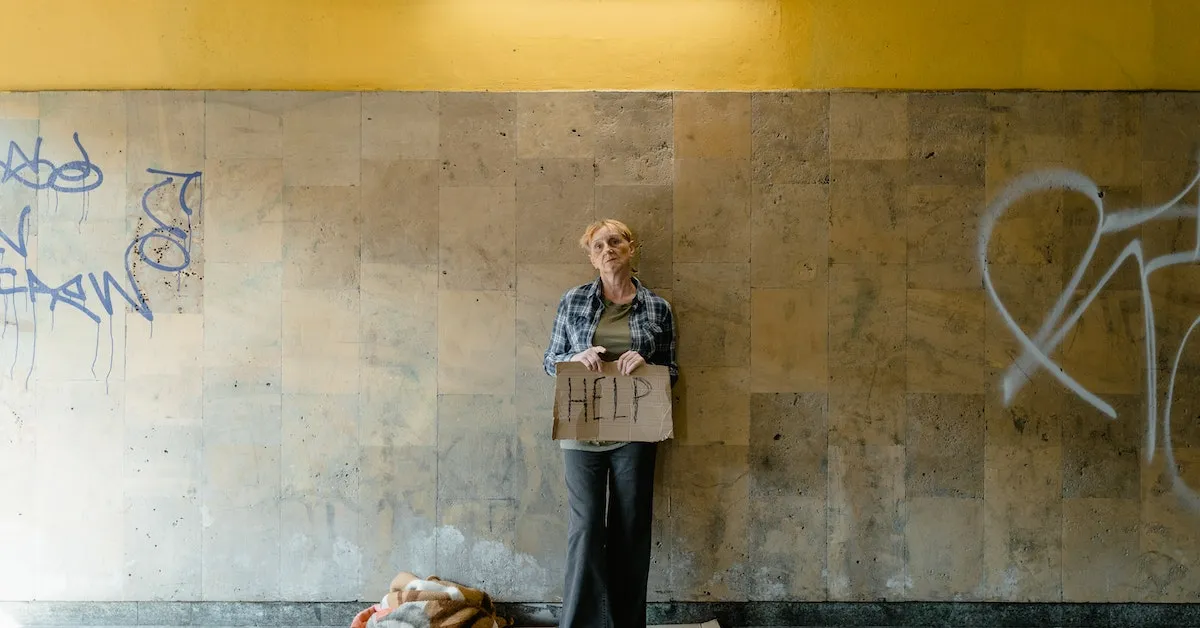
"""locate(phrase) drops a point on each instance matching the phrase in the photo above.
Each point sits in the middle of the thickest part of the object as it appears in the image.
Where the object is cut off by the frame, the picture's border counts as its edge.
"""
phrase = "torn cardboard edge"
(609, 406)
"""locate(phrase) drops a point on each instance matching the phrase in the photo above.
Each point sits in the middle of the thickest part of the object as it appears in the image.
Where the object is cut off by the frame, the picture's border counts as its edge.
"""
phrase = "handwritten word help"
(1059, 322)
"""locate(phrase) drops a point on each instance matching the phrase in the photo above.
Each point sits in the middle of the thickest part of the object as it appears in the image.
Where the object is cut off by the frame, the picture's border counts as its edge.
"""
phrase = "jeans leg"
(585, 597)
(631, 509)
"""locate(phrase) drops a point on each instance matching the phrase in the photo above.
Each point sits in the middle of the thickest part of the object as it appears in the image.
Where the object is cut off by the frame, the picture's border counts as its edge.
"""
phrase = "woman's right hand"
(590, 358)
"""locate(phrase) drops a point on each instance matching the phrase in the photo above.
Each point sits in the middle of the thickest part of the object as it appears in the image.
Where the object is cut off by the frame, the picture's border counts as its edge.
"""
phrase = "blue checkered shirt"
(651, 326)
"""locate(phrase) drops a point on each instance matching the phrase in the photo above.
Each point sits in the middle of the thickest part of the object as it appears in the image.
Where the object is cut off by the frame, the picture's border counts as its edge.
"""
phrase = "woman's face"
(609, 250)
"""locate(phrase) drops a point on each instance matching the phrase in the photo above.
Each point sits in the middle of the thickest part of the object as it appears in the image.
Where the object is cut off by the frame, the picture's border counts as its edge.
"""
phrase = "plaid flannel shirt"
(651, 326)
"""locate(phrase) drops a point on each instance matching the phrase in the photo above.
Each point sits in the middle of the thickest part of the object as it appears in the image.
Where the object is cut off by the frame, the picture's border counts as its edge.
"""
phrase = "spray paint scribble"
(1036, 350)
(94, 293)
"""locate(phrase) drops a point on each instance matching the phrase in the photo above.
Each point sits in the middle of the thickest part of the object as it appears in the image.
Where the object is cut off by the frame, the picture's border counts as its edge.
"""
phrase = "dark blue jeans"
(610, 497)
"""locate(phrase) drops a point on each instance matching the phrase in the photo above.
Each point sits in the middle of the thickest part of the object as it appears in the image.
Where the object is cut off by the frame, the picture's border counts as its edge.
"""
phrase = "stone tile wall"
(343, 377)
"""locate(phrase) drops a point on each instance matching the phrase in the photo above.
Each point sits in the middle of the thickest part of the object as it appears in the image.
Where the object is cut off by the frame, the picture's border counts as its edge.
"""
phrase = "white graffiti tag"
(1058, 322)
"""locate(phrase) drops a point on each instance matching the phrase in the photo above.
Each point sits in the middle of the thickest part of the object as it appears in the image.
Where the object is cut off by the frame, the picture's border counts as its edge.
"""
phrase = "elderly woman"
(614, 319)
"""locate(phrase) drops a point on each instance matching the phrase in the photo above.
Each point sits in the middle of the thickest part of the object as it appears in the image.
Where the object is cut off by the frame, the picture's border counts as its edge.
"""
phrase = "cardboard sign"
(610, 406)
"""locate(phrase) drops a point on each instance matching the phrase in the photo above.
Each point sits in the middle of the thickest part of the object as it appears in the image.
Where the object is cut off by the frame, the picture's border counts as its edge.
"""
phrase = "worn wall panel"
(291, 344)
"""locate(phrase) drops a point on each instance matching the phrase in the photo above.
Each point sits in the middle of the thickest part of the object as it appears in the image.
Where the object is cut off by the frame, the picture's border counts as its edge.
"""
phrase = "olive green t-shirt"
(612, 333)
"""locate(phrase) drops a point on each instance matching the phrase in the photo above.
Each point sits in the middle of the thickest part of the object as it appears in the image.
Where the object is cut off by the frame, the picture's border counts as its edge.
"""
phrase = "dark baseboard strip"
(728, 614)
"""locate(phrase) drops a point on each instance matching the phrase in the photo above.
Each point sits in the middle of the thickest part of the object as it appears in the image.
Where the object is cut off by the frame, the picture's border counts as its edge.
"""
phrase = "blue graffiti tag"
(76, 176)
(81, 176)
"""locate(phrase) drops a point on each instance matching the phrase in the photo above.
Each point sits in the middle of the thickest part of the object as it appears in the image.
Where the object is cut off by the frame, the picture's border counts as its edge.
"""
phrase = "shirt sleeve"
(560, 344)
(665, 355)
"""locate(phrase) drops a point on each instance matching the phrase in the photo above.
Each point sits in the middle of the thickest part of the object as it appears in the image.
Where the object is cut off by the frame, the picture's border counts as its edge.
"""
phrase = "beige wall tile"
(476, 344)
(943, 445)
(401, 530)
(789, 235)
(1168, 549)
(716, 407)
(1100, 550)
(165, 132)
(1107, 137)
(1027, 128)
(943, 247)
(1101, 455)
(79, 445)
(243, 210)
(867, 510)
(788, 446)
(320, 341)
(787, 549)
(163, 521)
(790, 138)
(399, 126)
(944, 538)
(712, 210)
(18, 481)
(318, 444)
(172, 346)
(464, 528)
(712, 310)
(478, 139)
(947, 137)
(19, 105)
(788, 339)
(866, 354)
(1022, 551)
(321, 238)
(479, 455)
(867, 212)
(322, 141)
(712, 124)
(648, 210)
(242, 125)
(319, 556)
(866, 314)
(868, 126)
(399, 310)
(556, 125)
(1167, 133)
(476, 238)
(241, 498)
(242, 317)
(400, 211)
(945, 341)
(399, 406)
(634, 139)
(554, 205)
(953, 126)
(712, 544)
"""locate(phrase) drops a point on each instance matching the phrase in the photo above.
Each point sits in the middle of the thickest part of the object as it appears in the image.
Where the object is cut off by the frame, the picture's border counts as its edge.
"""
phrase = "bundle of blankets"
(413, 602)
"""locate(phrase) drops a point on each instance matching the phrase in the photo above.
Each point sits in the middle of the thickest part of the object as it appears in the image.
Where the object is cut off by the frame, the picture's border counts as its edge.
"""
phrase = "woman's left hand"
(629, 361)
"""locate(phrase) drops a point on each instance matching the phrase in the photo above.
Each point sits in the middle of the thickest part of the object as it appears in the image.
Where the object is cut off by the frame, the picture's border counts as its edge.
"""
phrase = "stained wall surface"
(330, 367)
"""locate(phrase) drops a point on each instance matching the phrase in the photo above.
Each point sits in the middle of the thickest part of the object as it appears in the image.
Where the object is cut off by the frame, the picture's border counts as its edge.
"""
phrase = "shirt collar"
(595, 293)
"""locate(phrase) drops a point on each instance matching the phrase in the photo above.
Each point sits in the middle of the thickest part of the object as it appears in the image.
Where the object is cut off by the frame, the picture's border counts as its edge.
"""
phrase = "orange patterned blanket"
(413, 602)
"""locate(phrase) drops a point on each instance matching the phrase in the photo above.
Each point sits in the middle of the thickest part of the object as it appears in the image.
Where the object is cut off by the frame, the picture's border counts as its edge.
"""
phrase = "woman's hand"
(590, 358)
(629, 361)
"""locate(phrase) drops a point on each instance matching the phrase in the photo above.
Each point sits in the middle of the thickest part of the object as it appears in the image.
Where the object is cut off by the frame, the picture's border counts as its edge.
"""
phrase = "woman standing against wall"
(611, 319)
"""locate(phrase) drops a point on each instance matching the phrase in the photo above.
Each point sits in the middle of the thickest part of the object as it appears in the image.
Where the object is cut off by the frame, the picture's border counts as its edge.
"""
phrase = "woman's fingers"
(629, 361)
